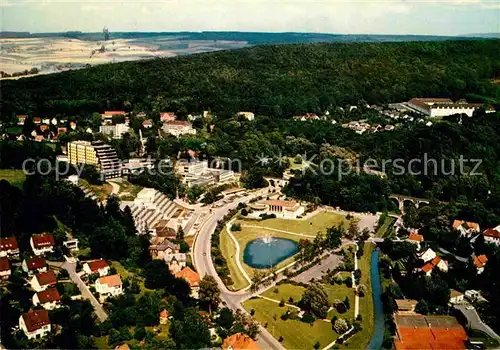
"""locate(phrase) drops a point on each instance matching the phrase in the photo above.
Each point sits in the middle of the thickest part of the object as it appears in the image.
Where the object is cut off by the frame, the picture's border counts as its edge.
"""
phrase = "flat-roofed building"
(115, 131)
(287, 209)
(441, 107)
(96, 153)
(178, 128)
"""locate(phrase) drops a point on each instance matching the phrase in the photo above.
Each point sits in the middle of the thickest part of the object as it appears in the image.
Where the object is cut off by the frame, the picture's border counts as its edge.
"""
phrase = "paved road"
(318, 270)
(71, 268)
(474, 321)
(203, 263)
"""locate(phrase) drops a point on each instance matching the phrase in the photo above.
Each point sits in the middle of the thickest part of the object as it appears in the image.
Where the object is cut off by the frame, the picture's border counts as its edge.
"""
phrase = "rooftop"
(49, 295)
(239, 341)
(480, 261)
(192, 277)
(95, 265)
(4, 264)
(8, 243)
(110, 281)
(43, 240)
(46, 278)
(36, 319)
(35, 263)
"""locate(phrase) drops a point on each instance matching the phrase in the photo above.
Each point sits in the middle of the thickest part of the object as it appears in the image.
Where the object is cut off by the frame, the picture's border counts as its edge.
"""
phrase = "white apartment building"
(441, 107)
(178, 128)
(115, 131)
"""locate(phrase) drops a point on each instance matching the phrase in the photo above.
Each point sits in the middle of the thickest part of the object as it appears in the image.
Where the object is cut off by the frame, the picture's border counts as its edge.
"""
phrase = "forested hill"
(271, 80)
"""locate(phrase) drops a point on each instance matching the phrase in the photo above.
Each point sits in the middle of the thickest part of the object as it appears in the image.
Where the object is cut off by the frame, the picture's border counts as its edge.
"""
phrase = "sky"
(447, 17)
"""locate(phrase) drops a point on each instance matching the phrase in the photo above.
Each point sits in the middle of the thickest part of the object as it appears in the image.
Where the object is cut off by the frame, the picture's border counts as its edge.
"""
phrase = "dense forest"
(272, 80)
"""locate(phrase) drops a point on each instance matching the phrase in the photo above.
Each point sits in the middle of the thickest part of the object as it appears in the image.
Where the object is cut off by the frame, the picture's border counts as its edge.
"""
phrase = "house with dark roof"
(96, 266)
(35, 324)
(42, 281)
(49, 299)
(42, 244)
(492, 235)
(8, 247)
(4, 269)
(163, 248)
(33, 265)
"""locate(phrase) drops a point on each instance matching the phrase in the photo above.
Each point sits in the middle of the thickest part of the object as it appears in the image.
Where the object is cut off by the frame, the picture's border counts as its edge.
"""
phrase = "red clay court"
(429, 332)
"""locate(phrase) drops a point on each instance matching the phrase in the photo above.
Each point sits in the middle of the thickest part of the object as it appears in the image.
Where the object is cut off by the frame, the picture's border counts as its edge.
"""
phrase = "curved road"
(203, 262)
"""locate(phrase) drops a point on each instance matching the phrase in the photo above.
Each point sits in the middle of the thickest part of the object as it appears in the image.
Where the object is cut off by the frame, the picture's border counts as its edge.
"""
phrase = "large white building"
(115, 131)
(196, 172)
(441, 107)
(281, 208)
(178, 128)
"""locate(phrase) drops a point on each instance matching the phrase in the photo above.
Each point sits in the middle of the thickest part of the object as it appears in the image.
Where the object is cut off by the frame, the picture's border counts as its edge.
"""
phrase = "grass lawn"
(124, 273)
(102, 192)
(101, 342)
(296, 334)
(285, 291)
(14, 176)
(381, 232)
(318, 223)
(361, 339)
(228, 249)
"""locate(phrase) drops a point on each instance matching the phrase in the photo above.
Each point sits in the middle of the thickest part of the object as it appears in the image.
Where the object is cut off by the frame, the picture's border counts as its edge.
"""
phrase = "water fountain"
(268, 251)
(267, 239)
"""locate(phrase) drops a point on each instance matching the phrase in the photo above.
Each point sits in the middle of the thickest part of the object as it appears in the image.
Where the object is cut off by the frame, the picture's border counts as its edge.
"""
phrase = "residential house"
(42, 243)
(35, 324)
(178, 128)
(306, 117)
(456, 297)
(62, 130)
(416, 239)
(42, 281)
(109, 286)
(53, 121)
(34, 265)
(466, 228)
(96, 266)
(164, 248)
(167, 117)
(4, 269)
(175, 262)
(240, 341)
(248, 115)
(480, 262)
(49, 299)
(147, 124)
(72, 125)
(436, 262)
(21, 119)
(192, 278)
(44, 128)
(8, 247)
(46, 121)
(472, 295)
(72, 244)
(492, 235)
(406, 305)
(108, 115)
(116, 131)
(427, 255)
(37, 120)
(39, 138)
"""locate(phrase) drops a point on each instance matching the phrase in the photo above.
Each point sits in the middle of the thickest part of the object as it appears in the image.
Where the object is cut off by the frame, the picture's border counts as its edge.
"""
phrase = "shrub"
(340, 326)
(290, 300)
(308, 318)
(244, 212)
(282, 302)
(281, 339)
(235, 227)
(317, 345)
(276, 290)
(252, 312)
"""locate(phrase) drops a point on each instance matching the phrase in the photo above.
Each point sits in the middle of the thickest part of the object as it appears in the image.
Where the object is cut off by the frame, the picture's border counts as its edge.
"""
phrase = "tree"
(180, 233)
(410, 216)
(346, 303)
(254, 178)
(315, 300)
(353, 230)
(333, 237)
(340, 326)
(422, 307)
(209, 293)
(226, 318)
(192, 332)
(361, 290)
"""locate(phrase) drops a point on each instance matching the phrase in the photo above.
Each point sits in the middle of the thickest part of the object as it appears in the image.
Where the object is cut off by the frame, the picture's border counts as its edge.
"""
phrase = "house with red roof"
(416, 239)
(436, 262)
(240, 341)
(167, 116)
(35, 324)
(492, 235)
(96, 266)
(164, 316)
(34, 265)
(147, 124)
(4, 269)
(480, 262)
(37, 120)
(8, 247)
(49, 299)
(21, 119)
(192, 278)
(42, 281)
(42, 244)
(466, 228)
(109, 286)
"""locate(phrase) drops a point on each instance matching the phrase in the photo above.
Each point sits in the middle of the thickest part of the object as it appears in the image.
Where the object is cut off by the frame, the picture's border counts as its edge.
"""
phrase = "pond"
(265, 252)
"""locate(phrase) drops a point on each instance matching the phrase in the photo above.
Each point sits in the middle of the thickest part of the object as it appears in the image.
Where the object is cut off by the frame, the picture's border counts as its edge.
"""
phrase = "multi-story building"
(109, 286)
(115, 131)
(42, 244)
(191, 277)
(178, 128)
(248, 115)
(96, 153)
(441, 107)
(35, 324)
(196, 172)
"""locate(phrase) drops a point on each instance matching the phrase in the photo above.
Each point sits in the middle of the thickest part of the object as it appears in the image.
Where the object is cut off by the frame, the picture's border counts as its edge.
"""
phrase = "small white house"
(109, 286)
(35, 324)
(456, 297)
(42, 281)
(42, 244)
(472, 295)
(49, 299)
(492, 235)
(96, 266)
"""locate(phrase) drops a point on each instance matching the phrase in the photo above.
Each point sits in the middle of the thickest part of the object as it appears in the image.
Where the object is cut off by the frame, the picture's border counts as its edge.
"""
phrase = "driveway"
(71, 268)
